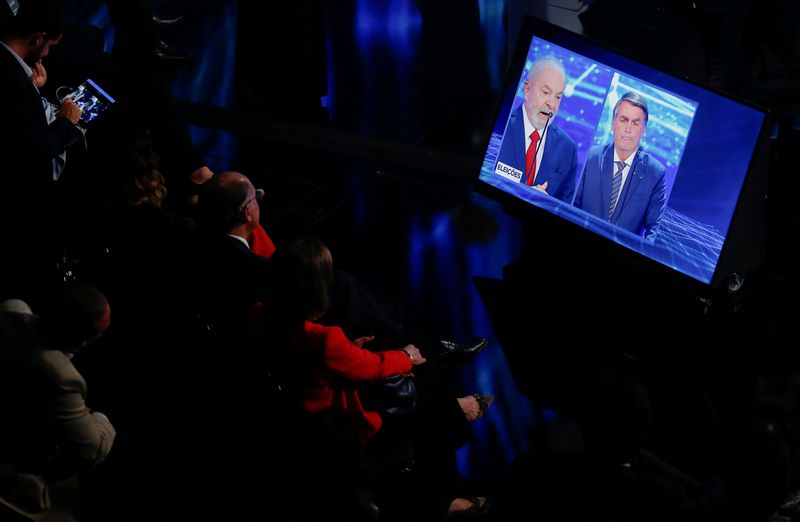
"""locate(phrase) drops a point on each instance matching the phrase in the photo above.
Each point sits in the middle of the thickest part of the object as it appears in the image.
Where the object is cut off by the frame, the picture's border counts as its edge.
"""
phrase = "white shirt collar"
(627, 161)
(240, 238)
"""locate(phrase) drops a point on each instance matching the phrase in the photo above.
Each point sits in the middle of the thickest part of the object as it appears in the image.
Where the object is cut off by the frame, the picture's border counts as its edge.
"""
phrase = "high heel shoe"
(484, 401)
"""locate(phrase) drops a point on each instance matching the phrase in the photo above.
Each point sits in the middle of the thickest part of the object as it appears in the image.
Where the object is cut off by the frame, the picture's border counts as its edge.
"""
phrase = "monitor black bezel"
(752, 191)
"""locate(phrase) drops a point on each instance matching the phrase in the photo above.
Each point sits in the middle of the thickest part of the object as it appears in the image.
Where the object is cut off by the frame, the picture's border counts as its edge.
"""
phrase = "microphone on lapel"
(635, 163)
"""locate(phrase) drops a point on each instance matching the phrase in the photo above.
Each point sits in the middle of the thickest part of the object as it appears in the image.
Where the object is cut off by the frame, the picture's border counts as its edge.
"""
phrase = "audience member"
(142, 266)
(29, 144)
(321, 367)
(228, 214)
(50, 435)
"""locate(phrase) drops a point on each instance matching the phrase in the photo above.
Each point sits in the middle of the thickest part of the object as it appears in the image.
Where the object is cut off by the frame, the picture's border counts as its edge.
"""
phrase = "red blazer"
(338, 360)
(260, 243)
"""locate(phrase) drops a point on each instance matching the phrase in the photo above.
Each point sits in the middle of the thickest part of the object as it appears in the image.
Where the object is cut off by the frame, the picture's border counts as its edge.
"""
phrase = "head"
(543, 90)
(75, 317)
(303, 274)
(229, 203)
(143, 183)
(37, 26)
(629, 123)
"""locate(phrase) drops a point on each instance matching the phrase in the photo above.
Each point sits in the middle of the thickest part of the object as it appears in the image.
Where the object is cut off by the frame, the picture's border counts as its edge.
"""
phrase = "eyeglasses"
(258, 197)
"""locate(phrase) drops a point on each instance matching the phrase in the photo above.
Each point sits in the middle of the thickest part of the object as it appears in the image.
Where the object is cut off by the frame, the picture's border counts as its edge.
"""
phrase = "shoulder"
(11, 72)
(56, 368)
(652, 165)
(561, 135)
(16, 306)
(515, 119)
(323, 335)
(595, 152)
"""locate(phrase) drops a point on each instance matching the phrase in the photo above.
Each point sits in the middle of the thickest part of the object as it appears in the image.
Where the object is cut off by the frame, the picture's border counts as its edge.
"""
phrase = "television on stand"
(670, 174)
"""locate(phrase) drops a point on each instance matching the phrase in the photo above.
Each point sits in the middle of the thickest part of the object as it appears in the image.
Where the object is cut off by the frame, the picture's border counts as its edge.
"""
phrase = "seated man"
(232, 239)
(50, 434)
(533, 143)
(621, 183)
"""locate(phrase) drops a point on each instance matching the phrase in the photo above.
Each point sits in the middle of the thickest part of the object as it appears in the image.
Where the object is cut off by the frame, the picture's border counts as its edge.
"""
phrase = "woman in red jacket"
(325, 369)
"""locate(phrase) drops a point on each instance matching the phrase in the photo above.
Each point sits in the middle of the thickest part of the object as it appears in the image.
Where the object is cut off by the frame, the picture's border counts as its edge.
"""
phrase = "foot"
(467, 506)
(474, 406)
(166, 53)
(453, 352)
(165, 23)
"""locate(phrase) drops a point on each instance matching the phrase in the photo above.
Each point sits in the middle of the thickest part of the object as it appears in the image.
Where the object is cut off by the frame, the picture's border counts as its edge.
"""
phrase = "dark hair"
(636, 100)
(74, 314)
(35, 16)
(142, 182)
(219, 205)
(302, 273)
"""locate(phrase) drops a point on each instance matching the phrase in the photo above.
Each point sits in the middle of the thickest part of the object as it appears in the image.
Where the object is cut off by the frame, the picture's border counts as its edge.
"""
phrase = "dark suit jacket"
(27, 142)
(27, 148)
(641, 200)
(559, 165)
(230, 278)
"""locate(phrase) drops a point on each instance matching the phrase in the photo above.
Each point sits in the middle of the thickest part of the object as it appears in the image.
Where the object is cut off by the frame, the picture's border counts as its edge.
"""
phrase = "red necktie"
(530, 158)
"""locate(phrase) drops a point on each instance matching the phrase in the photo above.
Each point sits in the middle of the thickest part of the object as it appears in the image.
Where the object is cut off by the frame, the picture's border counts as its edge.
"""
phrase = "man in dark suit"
(535, 151)
(621, 183)
(28, 143)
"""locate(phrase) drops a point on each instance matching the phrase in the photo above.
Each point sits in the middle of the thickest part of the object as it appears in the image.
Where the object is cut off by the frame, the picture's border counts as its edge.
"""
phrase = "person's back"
(49, 434)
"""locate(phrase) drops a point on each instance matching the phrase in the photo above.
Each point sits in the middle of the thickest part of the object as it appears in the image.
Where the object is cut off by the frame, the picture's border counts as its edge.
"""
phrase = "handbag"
(394, 396)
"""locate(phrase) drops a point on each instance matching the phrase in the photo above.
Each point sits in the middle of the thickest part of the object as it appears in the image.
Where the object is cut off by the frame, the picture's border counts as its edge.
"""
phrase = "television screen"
(650, 161)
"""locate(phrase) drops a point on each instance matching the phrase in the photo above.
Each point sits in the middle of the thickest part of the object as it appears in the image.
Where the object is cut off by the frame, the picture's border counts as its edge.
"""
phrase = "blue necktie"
(616, 184)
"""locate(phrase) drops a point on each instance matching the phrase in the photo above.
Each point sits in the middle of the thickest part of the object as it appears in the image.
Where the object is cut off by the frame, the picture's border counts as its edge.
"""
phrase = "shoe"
(165, 23)
(484, 401)
(474, 347)
(478, 506)
(165, 53)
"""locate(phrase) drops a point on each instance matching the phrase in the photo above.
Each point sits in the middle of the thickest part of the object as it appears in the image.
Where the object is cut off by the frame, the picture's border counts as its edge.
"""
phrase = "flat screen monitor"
(652, 162)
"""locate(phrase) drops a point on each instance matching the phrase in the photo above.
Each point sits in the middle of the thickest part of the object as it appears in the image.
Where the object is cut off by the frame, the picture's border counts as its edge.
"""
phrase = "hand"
(415, 355)
(542, 187)
(201, 175)
(39, 75)
(361, 341)
(70, 110)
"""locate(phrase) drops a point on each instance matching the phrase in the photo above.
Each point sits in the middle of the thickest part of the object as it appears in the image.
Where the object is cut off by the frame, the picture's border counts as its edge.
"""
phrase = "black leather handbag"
(394, 396)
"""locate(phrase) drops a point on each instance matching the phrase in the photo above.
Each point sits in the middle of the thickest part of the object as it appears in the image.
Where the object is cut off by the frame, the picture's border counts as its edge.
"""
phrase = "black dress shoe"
(473, 347)
(166, 54)
(165, 23)
(455, 353)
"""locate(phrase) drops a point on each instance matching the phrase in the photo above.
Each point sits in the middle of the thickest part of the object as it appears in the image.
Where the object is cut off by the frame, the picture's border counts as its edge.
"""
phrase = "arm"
(349, 360)
(50, 140)
(577, 200)
(655, 207)
(569, 183)
(86, 435)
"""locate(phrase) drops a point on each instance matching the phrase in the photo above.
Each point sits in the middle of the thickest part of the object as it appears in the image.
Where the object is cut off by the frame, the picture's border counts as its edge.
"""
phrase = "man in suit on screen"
(535, 151)
(621, 183)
